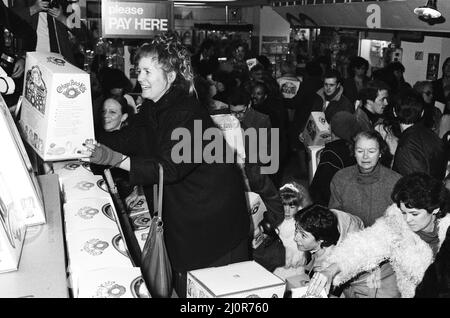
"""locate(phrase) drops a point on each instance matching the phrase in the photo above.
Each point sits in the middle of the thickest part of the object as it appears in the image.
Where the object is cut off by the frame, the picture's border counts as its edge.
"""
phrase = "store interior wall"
(416, 70)
(272, 24)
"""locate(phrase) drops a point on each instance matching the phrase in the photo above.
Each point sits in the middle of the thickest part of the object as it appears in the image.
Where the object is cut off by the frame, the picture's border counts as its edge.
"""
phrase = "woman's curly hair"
(172, 55)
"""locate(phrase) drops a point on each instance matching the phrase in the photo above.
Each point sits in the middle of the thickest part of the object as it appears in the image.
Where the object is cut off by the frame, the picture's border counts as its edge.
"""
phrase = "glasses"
(239, 112)
(292, 206)
(429, 93)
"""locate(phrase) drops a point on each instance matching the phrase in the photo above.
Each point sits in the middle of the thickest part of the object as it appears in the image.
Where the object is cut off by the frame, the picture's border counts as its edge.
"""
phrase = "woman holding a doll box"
(205, 212)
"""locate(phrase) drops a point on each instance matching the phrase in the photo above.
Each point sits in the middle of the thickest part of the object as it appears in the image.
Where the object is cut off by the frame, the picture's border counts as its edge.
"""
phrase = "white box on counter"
(71, 168)
(112, 282)
(238, 280)
(16, 172)
(317, 131)
(90, 213)
(95, 249)
(56, 115)
(83, 187)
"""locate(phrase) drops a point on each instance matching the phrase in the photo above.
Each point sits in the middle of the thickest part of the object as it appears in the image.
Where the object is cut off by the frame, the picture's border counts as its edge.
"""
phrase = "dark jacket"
(436, 280)
(335, 156)
(350, 89)
(303, 102)
(420, 150)
(274, 108)
(205, 211)
(438, 91)
(338, 103)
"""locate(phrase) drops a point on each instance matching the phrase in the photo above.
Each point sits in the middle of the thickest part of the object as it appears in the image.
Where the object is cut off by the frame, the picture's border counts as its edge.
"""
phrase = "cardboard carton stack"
(21, 203)
(99, 263)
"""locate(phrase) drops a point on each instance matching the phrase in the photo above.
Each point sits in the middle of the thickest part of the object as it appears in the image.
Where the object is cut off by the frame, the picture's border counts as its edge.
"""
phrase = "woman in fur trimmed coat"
(408, 236)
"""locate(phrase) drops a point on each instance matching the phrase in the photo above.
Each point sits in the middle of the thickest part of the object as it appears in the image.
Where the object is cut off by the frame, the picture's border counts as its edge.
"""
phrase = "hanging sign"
(135, 19)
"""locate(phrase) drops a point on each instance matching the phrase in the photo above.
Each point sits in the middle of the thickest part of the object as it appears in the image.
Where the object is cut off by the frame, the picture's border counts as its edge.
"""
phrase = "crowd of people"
(383, 172)
(372, 223)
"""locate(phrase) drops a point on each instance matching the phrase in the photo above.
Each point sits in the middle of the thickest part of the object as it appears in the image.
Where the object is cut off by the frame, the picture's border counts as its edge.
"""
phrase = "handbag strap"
(158, 192)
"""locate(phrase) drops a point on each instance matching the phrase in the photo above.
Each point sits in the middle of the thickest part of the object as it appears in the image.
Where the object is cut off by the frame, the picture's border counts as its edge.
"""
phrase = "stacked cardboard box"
(56, 115)
(21, 201)
(99, 264)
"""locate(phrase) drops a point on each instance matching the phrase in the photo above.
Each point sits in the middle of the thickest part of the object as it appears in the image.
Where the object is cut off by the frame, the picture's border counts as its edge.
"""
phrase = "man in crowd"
(330, 98)
(419, 148)
(374, 101)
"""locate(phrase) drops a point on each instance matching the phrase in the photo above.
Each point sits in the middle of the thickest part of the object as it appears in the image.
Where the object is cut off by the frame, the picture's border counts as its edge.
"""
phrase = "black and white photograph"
(221, 150)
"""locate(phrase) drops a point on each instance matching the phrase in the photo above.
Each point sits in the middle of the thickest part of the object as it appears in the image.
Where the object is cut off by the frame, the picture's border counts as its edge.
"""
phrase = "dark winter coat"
(350, 89)
(204, 207)
(335, 156)
(420, 150)
(338, 103)
(436, 280)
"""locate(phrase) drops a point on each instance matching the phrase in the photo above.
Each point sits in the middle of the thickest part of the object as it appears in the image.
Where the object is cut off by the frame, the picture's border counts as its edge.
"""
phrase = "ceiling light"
(429, 11)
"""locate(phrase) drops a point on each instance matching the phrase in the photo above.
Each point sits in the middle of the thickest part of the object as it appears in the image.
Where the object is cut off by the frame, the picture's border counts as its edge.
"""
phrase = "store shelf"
(42, 267)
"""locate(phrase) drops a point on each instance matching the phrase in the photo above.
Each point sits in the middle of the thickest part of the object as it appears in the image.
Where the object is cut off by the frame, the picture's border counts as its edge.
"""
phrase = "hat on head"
(344, 125)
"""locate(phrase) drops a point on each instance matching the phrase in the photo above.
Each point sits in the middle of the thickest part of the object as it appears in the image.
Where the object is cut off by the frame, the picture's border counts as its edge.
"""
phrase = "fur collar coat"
(391, 239)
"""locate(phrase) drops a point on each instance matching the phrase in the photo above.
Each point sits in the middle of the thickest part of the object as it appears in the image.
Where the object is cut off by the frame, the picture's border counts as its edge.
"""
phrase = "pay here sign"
(135, 19)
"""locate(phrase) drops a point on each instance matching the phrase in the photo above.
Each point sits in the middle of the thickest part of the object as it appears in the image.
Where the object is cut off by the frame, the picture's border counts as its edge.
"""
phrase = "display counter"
(42, 267)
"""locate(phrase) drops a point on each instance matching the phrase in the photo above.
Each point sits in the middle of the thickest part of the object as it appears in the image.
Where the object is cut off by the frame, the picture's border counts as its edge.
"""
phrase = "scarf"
(329, 98)
(431, 238)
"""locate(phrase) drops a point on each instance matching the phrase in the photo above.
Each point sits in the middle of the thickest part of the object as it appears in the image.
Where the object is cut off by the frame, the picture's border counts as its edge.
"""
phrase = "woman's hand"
(19, 68)
(100, 154)
(322, 281)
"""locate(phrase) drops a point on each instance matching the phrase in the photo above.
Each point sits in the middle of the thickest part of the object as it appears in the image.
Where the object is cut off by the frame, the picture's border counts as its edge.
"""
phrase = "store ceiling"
(383, 15)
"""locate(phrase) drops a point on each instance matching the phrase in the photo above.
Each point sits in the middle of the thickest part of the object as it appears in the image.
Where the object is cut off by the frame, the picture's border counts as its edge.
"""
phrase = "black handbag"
(271, 253)
(155, 263)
